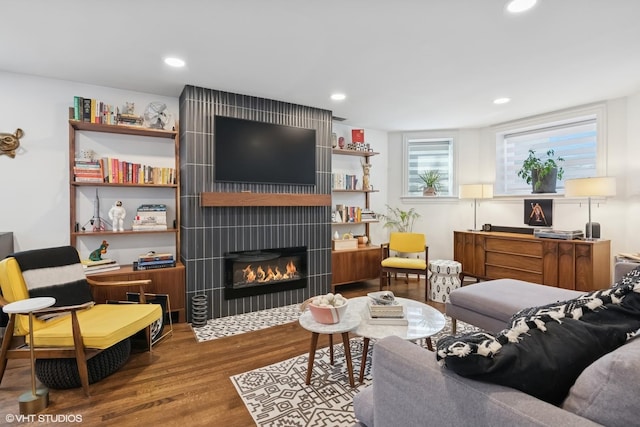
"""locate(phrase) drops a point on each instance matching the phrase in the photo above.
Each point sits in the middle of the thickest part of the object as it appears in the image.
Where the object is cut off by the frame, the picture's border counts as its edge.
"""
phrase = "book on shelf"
(101, 268)
(393, 321)
(152, 256)
(147, 266)
(148, 227)
(156, 262)
(90, 263)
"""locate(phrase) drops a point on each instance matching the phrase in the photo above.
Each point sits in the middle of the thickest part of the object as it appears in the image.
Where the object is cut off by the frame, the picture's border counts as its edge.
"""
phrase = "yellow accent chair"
(408, 245)
(75, 327)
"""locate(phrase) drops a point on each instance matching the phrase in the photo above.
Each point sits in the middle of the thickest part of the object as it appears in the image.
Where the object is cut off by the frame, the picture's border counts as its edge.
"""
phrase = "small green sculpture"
(97, 254)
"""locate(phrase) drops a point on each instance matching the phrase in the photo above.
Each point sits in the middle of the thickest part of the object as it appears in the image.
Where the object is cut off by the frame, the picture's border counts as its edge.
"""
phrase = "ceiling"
(404, 64)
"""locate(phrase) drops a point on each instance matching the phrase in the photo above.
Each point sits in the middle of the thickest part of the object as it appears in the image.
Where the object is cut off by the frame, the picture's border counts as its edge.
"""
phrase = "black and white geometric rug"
(241, 323)
(276, 395)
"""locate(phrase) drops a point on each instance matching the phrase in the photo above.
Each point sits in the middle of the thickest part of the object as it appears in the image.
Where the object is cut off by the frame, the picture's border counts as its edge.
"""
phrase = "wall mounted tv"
(257, 152)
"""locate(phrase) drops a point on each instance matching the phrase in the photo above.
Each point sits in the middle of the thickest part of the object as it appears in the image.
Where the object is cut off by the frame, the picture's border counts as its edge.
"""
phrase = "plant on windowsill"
(542, 175)
(431, 181)
(400, 220)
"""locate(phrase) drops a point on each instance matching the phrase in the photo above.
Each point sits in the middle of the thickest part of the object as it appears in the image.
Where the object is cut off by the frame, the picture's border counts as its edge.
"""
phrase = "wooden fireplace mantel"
(213, 199)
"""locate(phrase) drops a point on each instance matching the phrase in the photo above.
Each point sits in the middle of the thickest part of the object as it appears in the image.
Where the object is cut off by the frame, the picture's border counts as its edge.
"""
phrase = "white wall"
(35, 184)
(476, 163)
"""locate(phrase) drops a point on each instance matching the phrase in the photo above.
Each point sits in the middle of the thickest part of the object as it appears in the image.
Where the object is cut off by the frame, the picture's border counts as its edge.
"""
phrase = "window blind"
(425, 155)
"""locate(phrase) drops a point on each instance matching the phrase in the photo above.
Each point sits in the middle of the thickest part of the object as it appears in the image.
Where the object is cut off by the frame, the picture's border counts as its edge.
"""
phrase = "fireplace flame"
(271, 274)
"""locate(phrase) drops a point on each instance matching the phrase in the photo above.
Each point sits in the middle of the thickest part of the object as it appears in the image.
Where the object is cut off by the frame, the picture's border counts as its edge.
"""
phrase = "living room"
(37, 181)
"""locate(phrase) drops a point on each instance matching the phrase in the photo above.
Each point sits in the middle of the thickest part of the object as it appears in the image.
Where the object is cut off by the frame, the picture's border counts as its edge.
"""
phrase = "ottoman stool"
(445, 277)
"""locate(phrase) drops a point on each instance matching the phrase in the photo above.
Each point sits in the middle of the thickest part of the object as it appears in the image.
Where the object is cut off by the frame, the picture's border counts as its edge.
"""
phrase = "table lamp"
(475, 192)
(601, 186)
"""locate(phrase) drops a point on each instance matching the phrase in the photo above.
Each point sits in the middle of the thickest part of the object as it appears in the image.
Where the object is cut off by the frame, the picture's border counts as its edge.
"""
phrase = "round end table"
(35, 400)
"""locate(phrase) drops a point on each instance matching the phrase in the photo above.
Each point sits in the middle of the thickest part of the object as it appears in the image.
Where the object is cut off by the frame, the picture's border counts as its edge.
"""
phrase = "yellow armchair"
(412, 244)
(79, 328)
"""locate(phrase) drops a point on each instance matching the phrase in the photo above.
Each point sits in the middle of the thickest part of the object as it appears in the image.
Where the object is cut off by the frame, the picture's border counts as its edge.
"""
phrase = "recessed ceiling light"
(338, 96)
(517, 6)
(501, 100)
(174, 62)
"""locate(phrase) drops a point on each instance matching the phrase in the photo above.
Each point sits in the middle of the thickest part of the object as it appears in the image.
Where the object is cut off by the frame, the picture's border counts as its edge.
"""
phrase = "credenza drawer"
(513, 246)
(514, 261)
(496, 272)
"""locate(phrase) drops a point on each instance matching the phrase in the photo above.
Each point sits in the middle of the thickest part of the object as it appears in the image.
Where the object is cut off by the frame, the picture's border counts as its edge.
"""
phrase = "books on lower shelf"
(92, 267)
(153, 261)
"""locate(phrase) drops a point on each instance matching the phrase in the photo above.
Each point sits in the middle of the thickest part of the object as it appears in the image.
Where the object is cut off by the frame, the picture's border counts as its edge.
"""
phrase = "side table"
(35, 400)
(349, 323)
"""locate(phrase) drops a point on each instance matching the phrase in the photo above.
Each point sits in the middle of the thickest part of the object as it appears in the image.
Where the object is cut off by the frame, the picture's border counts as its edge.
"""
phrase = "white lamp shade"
(590, 187)
(475, 191)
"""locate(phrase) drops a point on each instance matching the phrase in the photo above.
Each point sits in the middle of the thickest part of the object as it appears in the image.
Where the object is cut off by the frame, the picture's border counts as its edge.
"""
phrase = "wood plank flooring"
(182, 382)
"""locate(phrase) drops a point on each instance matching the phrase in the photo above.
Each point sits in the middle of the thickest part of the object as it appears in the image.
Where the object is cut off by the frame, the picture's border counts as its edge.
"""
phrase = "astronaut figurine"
(116, 215)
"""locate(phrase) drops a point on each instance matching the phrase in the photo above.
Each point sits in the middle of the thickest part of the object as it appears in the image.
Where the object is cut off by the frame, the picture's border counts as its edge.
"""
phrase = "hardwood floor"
(182, 382)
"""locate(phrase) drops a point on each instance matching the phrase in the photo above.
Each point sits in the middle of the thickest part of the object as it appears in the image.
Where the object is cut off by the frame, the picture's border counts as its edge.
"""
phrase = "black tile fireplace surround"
(249, 273)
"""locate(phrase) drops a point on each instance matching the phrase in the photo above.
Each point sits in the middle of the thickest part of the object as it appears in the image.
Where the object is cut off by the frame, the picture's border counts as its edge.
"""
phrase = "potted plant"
(431, 181)
(542, 175)
(400, 220)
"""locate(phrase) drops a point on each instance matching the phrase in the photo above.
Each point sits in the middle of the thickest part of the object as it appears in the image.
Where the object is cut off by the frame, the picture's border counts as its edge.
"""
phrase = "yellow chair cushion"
(406, 263)
(101, 326)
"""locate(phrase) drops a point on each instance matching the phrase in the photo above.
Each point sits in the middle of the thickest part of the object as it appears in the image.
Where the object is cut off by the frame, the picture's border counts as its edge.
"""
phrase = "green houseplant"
(431, 181)
(542, 174)
(400, 220)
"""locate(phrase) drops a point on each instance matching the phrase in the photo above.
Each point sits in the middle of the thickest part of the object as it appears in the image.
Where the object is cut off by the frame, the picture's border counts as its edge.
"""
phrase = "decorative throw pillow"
(604, 391)
(55, 272)
(546, 348)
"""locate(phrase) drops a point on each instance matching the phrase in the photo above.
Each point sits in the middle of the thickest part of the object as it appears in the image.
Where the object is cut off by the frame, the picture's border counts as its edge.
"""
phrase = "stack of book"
(93, 267)
(86, 170)
(152, 261)
(150, 217)
(386, 314)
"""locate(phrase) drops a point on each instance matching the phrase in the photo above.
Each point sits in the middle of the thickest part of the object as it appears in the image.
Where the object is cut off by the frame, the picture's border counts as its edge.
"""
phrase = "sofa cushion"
(546, 348)
(604, 391)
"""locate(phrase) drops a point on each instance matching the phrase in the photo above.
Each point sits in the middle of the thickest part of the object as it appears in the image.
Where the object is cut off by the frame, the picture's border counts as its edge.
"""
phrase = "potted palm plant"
(542, 174)
(431, 181)
(400, 220)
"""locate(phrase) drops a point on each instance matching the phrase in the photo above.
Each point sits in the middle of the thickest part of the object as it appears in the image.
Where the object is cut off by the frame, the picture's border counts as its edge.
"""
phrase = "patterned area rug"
(241, 323)
(276, 395)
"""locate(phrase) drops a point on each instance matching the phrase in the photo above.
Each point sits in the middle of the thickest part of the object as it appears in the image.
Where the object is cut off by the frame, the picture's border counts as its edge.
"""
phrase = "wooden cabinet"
(362, 263)
(570, 264)
(355, 265)
(155, 147)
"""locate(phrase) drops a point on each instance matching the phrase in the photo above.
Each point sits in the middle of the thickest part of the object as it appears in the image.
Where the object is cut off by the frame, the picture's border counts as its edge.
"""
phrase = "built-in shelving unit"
(362, 263)
(152, 145)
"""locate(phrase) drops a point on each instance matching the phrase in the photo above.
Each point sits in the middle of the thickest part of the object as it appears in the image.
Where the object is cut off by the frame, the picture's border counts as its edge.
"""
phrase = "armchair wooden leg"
(453, 326)
(81, 357)
(6, 342)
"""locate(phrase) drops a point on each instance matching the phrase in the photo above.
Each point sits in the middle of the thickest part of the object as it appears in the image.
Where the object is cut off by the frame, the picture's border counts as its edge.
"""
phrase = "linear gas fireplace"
(249, 273)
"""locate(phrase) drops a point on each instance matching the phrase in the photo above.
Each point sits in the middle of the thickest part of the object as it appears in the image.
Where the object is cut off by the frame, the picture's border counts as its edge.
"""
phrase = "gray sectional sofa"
(411, 389)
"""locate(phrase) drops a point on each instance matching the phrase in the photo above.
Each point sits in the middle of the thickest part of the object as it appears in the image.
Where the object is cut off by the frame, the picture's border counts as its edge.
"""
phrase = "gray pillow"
(605, 391)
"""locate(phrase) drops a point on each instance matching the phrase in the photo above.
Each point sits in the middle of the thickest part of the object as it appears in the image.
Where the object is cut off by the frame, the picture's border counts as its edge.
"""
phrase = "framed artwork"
(538, 212)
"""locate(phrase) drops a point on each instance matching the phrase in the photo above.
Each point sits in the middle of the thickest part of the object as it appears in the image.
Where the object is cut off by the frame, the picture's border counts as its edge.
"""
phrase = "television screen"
(258, 152)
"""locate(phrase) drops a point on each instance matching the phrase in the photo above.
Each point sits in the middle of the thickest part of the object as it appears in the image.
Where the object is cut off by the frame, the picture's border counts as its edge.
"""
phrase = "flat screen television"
(257, 152)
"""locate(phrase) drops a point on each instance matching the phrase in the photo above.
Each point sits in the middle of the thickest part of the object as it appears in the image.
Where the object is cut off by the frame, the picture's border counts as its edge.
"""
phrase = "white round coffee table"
(424, 322)
(350, 322)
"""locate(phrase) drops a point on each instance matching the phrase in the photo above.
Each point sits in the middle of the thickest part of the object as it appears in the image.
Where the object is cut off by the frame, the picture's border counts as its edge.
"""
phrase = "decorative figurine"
(366, 168)
(97, 254)
(117, 214)
(341, 143)
(9, 143)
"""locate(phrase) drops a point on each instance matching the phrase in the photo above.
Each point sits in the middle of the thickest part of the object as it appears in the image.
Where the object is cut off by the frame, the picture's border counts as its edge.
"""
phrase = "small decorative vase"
(336, 236)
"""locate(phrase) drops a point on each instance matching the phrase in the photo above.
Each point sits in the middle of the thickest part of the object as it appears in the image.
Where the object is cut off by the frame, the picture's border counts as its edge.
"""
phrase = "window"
(425, 154)
(574, 139)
